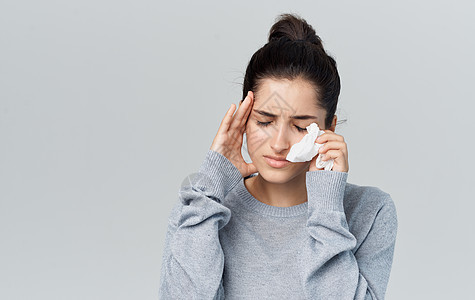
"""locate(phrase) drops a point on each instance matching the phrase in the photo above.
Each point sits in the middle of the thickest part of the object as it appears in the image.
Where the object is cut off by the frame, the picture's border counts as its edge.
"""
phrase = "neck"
(287, 194)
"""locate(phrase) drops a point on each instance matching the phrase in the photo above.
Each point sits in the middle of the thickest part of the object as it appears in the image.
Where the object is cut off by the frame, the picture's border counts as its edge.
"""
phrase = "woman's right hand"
(228, 140)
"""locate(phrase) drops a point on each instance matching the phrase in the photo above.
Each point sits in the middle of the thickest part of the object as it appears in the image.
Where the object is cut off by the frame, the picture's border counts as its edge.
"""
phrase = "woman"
(274, 229)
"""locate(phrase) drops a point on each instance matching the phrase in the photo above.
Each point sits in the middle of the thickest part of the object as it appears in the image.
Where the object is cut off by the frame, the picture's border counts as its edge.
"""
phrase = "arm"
(331, 270)
(193, 260)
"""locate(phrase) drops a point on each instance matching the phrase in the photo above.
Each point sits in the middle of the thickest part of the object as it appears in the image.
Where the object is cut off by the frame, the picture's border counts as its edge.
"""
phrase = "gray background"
(106, 106)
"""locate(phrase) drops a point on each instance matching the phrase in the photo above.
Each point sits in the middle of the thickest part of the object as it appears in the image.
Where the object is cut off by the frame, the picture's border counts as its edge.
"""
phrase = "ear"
(332, 127)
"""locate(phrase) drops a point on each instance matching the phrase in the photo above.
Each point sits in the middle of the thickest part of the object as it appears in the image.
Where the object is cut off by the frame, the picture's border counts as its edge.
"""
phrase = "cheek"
(256, 137)
(298, 138)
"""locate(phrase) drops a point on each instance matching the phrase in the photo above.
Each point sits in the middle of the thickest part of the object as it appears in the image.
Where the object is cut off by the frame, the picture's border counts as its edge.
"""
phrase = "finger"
(224, 126)
(250, 94)
(338, 145)
(238, 116)
(332, 154)
(248, 112)
(329, 136)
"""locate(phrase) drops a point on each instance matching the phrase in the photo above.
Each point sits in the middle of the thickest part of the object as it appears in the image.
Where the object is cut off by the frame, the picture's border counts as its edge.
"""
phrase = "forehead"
(283, 96)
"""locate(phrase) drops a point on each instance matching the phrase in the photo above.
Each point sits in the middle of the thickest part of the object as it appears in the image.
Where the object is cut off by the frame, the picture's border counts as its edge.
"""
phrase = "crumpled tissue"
(307, 148)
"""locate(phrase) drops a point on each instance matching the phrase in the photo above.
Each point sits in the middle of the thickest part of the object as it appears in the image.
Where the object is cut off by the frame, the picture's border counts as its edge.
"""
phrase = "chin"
(278, 176)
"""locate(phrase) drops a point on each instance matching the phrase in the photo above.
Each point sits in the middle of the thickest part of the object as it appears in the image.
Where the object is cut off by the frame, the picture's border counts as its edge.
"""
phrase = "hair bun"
(294, 28)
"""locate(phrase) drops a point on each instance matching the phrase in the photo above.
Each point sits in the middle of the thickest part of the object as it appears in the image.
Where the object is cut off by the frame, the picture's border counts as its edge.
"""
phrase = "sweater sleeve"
(193, 260)
(331, 269)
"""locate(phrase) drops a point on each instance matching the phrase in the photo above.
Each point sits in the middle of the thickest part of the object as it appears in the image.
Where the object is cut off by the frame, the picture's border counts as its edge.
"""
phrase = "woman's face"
(271, 130)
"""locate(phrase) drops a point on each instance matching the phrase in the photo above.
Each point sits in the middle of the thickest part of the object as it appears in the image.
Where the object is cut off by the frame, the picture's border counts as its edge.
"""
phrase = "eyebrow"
(267, 114)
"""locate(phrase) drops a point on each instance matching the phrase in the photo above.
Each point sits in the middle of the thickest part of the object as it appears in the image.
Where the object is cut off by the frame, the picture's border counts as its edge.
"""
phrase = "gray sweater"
(221, 242)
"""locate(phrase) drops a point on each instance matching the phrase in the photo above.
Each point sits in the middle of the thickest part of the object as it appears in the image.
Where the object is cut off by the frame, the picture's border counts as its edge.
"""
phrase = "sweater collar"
(259, 207)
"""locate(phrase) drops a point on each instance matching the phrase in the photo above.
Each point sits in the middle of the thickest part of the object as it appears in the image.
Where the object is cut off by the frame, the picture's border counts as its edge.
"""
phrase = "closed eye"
(264, 124)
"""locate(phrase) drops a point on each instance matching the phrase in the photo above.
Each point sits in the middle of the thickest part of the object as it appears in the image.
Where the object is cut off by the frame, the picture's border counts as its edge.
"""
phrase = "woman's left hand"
(334, 147)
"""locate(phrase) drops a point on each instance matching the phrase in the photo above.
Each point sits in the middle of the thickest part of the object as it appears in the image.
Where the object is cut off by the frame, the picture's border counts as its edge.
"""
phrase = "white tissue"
(306, 149)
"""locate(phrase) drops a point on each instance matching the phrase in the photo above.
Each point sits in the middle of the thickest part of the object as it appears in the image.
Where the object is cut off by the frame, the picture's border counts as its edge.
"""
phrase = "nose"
(280, 141)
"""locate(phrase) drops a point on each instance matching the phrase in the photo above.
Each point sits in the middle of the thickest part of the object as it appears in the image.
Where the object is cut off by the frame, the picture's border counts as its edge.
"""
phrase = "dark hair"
(294, 51)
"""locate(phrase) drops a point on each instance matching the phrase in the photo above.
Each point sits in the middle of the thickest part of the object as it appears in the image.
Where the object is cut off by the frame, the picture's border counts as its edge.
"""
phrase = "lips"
(276, 162)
